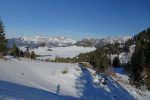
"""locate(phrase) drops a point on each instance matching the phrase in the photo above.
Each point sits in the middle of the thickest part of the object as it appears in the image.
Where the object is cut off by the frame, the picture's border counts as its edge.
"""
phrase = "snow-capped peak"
(37, 39)
(34, 41)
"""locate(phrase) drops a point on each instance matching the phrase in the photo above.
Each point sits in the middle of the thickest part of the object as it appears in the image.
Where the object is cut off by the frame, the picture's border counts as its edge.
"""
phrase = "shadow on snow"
(18, 92)
(87, 90)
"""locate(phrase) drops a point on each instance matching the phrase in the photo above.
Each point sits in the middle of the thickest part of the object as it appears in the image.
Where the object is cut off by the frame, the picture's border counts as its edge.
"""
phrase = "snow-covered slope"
(46, 76)
(41, 75)
(12, 91)
(36, 41)
(112, 40)
(123, 80)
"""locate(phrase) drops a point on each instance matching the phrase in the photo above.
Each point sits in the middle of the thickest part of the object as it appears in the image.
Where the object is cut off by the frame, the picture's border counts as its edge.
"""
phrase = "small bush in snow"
(65, 71)
(77, 69)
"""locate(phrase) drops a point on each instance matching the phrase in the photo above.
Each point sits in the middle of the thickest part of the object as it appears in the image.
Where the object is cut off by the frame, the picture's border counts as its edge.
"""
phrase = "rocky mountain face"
(87, 42)
(101, 42)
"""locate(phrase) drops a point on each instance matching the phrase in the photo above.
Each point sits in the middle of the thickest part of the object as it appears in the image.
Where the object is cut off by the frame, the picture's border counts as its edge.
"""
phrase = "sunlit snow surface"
(36, 80)
(69, 51)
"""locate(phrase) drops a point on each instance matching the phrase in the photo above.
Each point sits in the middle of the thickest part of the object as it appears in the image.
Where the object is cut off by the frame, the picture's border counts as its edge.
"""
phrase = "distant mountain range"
(101, 42)
(37, 41)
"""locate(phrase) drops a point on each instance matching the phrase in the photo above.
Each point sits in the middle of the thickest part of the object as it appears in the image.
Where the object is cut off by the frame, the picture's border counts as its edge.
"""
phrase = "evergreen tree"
(140, 61)
(27, 53)
(116, 62)
(136, 69)
(33, 56)
(15, 51)
(147, 54)
(3, 41)
(21, 54)
(147, 79)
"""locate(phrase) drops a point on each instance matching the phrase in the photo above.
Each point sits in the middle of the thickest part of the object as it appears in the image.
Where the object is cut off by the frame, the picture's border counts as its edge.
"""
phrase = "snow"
(40, 75)
(69, 51)
(11, 91)
(35, 41)
(35, 79)
(118, 70)
(132, 48)
(113, 88)
(42, 39)
(113, 40)
(124, 57)
(123, 80)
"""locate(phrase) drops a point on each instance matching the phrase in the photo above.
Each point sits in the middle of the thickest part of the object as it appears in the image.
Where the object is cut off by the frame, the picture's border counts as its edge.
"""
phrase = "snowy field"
(42, 75)
(36, 80)
(69, 51)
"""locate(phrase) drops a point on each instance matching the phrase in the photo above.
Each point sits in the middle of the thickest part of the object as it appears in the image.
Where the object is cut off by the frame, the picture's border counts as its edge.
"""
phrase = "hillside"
(33, 75)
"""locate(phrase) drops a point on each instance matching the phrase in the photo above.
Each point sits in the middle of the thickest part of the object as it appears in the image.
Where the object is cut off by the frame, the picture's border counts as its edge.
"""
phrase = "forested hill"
(138, 65)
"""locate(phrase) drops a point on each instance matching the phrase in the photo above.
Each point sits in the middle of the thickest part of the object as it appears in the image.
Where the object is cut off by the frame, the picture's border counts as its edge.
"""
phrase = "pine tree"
(140, 61)
(136, 69)
(27, 53)
(3, 41)
(147, 54)
(21, 54)
(15, 51)
(116, 62)
(33, 56)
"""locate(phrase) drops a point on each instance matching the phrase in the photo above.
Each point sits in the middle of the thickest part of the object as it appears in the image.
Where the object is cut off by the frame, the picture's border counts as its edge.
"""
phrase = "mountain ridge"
(37, 41)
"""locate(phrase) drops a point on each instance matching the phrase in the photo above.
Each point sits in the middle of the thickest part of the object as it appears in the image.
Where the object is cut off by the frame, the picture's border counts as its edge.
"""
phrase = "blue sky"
(74, 18)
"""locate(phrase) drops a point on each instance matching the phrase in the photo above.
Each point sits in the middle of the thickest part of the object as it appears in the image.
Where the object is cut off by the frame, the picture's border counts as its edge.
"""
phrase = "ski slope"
(35, 80)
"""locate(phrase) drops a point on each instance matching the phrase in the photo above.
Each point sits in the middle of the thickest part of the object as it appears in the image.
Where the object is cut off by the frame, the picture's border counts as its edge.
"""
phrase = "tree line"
(16, 52)
(140, 61)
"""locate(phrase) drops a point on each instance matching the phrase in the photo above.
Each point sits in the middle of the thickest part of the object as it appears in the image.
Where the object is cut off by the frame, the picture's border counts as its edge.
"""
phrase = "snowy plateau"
(52, 53)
